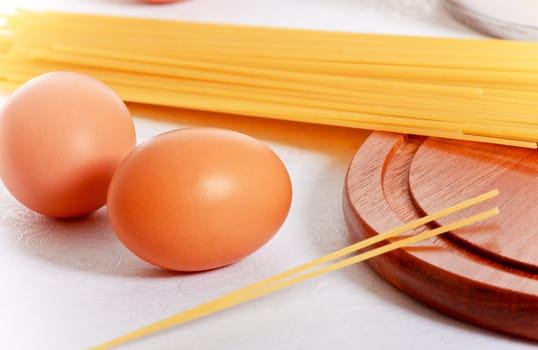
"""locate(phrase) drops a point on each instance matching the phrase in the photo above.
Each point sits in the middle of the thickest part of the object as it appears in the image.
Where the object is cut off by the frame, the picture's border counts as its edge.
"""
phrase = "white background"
(70, 285)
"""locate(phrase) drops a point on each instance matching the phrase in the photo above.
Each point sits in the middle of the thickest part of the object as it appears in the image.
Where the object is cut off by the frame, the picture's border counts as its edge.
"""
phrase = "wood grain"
(465, 169)
(485, 274)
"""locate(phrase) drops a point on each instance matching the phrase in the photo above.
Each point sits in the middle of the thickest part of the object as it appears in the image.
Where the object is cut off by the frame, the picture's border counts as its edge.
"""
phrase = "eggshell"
(62, 135)
(198, 198)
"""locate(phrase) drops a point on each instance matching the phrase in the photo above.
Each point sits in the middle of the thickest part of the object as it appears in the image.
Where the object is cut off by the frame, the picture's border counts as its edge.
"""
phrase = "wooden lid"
(486, 274)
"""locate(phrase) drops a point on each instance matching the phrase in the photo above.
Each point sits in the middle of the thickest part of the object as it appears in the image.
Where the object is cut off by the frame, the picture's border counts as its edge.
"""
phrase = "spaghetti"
(317, 267)
(469, 89)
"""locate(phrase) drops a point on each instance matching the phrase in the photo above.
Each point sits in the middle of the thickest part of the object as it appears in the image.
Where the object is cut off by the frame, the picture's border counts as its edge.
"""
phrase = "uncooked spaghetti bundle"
(471, 89)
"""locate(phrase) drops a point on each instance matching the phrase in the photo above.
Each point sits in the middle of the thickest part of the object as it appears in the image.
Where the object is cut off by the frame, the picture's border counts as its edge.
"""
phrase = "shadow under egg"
(86, 244)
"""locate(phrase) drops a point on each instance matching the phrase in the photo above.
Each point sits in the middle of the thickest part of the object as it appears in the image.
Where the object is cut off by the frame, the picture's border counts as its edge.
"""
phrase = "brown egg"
(198, 198)
(62, 136)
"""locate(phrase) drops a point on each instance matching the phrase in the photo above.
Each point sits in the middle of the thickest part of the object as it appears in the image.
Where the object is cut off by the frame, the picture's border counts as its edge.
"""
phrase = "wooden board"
(486, 274)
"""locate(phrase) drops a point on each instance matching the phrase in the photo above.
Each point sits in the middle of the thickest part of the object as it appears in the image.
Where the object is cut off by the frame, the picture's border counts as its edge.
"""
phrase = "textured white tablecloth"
(71, 284)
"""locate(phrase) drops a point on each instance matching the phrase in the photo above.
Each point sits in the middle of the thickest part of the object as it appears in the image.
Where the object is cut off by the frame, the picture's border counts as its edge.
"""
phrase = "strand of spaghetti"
(492, 85)
(488, 139)
(509, 96)
(275, 284)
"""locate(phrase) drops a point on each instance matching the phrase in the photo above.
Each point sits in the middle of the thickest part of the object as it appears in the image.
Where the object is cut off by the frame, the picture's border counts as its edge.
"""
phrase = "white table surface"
(70, 285)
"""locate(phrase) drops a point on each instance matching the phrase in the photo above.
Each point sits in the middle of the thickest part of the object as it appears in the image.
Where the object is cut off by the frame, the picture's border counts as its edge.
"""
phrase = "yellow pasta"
(315, 268)
(470, 89)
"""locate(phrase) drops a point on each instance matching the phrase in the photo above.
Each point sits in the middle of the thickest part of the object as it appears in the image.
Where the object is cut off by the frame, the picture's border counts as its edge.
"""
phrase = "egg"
(62, 135)
(198, 198)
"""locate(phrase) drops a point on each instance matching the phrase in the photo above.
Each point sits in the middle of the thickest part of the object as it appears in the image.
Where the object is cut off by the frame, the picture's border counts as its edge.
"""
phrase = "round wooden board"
(487, 273)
